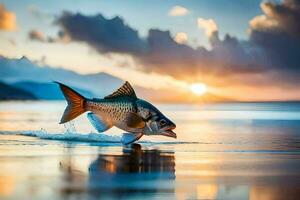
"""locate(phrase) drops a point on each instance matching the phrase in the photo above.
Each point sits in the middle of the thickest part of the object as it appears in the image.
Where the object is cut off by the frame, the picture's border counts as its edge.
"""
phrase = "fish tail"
(76, 103)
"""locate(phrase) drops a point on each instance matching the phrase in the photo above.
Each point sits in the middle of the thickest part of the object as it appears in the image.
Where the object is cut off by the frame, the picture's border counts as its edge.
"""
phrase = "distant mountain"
(17, 70)
(47, 91)
(8, 92)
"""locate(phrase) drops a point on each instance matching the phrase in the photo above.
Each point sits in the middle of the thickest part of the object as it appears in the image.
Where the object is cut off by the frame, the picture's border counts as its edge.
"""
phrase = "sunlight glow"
(198, 88)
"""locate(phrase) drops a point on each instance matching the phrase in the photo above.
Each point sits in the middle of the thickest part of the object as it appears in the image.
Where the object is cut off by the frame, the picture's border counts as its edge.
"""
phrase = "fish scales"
(116, 108)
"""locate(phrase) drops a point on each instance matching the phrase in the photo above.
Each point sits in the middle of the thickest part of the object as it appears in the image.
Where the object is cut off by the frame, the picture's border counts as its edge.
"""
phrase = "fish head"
(156, 122)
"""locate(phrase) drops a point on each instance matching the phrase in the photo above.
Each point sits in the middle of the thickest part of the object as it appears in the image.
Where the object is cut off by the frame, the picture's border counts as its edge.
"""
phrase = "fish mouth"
(169, 133)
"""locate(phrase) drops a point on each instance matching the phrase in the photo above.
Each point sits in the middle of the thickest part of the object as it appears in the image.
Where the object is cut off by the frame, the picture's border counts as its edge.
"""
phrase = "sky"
(246, 50)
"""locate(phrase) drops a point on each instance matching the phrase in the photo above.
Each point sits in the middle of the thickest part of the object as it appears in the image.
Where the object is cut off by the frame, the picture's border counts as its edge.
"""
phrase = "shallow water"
(223, 151)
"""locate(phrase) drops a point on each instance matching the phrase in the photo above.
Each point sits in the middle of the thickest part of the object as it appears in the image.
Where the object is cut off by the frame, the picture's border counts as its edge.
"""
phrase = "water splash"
(71, 136)
(70, 128)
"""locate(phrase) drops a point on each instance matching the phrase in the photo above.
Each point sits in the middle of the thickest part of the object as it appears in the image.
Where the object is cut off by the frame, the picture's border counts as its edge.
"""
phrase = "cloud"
(36, 35)
(181, 37)
(277, 34)
(178, 11)
(282, 17)
(271, 53)
(209, 26)
(166, 56)
(7, 19)
(105, 35)
(157, 52)
(39, 36)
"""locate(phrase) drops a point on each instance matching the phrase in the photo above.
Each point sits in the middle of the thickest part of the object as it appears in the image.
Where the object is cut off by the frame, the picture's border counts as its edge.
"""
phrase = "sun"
(198, 88)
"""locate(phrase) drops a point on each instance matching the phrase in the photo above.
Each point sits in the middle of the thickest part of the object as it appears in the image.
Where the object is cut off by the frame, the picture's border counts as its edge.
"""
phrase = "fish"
(122, 109)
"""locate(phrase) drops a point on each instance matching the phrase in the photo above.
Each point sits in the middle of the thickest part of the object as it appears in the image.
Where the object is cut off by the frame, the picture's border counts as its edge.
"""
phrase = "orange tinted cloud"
(209, 26)
(36, 35)
(281, 17)
(7, 19)
(178, 11)
(181, 37)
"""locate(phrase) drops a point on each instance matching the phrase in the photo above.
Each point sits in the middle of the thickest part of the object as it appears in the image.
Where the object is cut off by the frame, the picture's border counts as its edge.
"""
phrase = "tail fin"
(76, 103)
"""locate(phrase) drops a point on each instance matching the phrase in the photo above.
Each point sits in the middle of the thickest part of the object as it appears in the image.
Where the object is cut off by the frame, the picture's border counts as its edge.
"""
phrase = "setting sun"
(198, 88)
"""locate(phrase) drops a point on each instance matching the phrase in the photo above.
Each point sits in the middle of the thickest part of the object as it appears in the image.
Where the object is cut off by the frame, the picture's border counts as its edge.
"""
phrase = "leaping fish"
(122, 109)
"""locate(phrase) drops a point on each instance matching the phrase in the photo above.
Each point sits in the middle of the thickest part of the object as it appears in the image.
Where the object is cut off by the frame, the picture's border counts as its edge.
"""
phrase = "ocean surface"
(223, 151)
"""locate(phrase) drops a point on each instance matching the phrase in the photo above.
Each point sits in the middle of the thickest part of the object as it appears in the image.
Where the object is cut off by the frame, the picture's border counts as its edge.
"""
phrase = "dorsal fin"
(124, 90)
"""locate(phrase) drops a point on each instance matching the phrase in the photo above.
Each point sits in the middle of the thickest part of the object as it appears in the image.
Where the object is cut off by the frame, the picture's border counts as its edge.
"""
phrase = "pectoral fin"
(129, 138)
(133, 120)
(99, 123)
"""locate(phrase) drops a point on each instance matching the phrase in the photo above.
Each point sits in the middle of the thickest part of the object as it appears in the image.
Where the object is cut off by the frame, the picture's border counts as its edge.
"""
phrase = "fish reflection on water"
(136, 171)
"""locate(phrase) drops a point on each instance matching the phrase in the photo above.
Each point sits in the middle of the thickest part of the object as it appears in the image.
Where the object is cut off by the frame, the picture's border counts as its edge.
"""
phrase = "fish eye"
(162, 122)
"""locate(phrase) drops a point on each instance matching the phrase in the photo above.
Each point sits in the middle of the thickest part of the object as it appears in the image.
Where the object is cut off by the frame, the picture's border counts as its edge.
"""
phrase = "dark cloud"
(158, 52)
(277, 34)
(280, 18)
(272, 51)
(105, 35)
(182, 61)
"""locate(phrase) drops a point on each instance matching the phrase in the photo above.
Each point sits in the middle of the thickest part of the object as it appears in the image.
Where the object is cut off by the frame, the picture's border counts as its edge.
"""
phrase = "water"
(223, 151)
